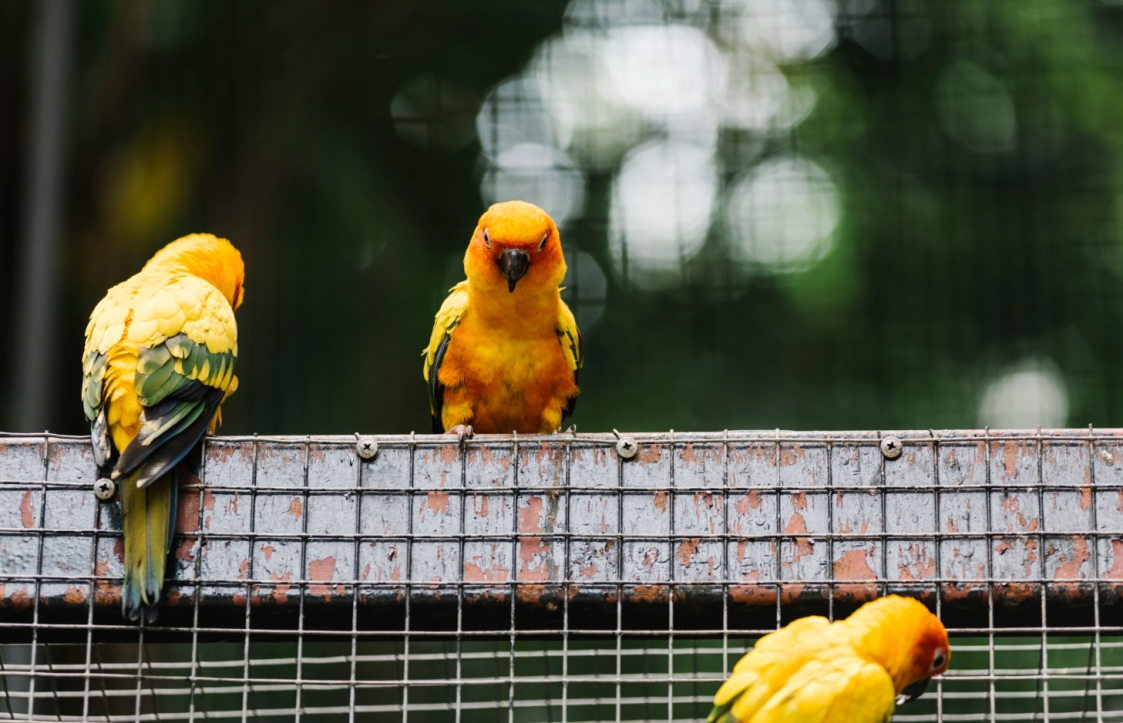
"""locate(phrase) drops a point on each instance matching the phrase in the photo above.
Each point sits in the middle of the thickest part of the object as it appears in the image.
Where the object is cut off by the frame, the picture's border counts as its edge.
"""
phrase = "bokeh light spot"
(1028, 394)
(536, 174)
(662, 202)
(782, 215)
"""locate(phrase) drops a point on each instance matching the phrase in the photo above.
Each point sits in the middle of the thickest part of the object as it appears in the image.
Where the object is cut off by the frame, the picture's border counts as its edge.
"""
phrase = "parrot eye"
(938, 660)
(542, 243)
(487, 239)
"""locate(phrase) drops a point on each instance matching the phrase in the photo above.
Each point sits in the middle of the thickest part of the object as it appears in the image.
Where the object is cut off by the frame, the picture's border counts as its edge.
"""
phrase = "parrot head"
(515, 245)
(908, 640)
(208, 257)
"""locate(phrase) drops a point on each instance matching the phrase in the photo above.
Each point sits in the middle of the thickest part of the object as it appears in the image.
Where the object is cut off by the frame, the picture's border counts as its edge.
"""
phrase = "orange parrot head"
(515, 246)
(906, 639)
(208, 257)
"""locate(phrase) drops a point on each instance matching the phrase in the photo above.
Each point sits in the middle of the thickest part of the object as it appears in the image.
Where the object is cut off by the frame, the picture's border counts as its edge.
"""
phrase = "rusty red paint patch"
(790, 593)
(75, 595)
(1010, 459)
(752, 594)
(478, 573)
(531, 594)
(957, 592)
(649, 593)
(296, 508)
(921, 564)
(280, 591)
(321, 571)
(687, 549)
(853, 565)
(20, 599)
(533, 553)
(267, 550)
(1015, 592)
(803, 545)
(184, 551)
(437, 502)
(530, 517)
(1070, 569)
(187, 511)
(789, 455)
(1116, 571)
(26, 514)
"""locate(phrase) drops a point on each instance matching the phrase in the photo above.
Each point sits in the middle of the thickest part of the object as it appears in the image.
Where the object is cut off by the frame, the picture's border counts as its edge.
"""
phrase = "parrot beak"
(513, 264)
(913, 692)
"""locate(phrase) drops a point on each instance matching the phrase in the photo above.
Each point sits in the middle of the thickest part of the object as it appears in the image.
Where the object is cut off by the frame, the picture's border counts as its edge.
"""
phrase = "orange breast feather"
(501, 383)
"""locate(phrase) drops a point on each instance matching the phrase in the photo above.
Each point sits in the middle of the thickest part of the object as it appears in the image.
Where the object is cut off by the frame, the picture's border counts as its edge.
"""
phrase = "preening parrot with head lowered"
(505, 350)
(159, 360)
(853, 671)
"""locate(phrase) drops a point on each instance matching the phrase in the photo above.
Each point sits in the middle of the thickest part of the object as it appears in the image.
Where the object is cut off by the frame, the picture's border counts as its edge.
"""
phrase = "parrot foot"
(572, 430)
(462, 432)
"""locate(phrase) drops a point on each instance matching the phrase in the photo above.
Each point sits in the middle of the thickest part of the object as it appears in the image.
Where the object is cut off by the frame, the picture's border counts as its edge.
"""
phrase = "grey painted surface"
(743, 516)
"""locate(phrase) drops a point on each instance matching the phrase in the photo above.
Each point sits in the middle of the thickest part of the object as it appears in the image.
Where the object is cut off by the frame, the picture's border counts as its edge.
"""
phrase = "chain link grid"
(545, 578)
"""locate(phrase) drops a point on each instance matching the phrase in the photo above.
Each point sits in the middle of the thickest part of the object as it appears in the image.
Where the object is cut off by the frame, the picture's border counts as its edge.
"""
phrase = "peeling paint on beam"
(542, 523)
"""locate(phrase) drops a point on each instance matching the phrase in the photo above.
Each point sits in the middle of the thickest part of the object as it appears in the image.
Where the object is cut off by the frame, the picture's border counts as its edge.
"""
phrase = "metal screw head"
(366, 447)
(891, 447)
(104, 489)
(627, 447)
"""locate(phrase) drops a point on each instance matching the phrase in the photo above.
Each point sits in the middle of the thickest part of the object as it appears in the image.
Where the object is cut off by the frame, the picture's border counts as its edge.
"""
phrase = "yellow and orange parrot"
(853, 671)
(159, 360)
(505, 350)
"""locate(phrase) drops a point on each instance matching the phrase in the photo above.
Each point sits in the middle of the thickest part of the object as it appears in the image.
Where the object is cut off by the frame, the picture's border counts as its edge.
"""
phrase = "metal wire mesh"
(546, 578)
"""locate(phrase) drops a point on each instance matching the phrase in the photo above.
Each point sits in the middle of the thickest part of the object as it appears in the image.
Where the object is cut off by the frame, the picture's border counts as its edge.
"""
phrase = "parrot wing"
(104, 331)
(187, 346)
(841, 689)
(752, 682)
(448, 317)
(570, 338)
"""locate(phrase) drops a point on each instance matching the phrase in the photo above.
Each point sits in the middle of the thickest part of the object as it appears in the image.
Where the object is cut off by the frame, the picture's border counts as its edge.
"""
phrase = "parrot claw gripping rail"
(414, 539)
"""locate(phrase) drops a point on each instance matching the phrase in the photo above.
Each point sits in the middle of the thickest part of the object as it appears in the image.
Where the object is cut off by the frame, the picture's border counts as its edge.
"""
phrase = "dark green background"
(269, 123)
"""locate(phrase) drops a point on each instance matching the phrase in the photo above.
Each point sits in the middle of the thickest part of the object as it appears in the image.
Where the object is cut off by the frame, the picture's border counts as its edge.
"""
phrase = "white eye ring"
(542, 243)
(487, 239)
(938, 660)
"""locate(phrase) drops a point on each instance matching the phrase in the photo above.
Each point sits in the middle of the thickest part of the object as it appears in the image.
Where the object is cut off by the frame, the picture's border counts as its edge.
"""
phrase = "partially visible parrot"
(159, 360)
(505, 350)
(853, 671)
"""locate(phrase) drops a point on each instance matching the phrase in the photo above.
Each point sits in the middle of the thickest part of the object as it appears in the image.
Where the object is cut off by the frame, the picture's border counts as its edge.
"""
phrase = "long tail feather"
(149, 519)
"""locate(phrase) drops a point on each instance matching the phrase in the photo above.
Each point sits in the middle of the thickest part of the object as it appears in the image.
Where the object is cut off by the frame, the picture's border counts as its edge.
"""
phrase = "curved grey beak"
(513, 264)
(913, 692)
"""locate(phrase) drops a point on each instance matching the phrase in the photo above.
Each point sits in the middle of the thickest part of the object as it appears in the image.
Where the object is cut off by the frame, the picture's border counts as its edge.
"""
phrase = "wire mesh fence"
(551, 578)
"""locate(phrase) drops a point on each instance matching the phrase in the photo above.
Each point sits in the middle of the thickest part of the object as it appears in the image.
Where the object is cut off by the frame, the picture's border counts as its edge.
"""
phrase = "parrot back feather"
(149, 521)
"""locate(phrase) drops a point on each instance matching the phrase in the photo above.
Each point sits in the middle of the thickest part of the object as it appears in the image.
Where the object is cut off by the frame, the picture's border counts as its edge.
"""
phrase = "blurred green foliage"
(977, 168)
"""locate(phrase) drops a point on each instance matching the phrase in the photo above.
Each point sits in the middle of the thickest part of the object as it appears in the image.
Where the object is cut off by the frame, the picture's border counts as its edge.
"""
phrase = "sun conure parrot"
(505, 349)
(159, 360)
(853, 671)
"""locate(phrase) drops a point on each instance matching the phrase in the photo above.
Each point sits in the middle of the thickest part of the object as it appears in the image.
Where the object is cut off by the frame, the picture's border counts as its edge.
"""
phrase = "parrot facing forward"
(853, 671)
(159, 360)
(505, 350)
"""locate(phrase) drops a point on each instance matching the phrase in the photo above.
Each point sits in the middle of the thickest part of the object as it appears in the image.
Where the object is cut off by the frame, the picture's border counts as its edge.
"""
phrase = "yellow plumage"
(158, 361)
(815, 671)
(505, 351)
